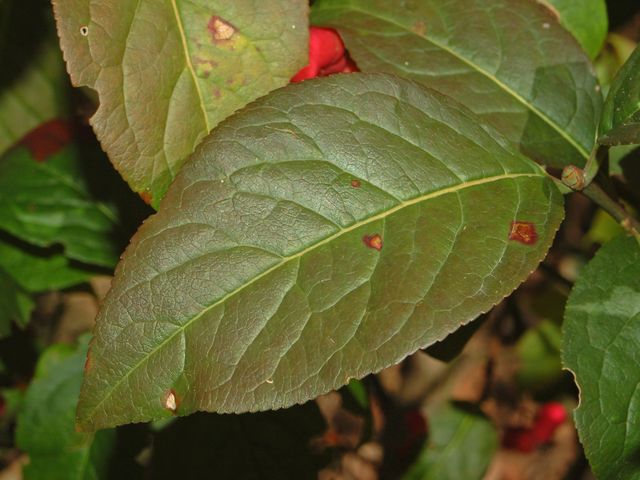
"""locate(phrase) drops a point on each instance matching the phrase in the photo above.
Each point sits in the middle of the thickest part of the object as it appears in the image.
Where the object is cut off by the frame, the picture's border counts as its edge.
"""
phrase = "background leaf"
(33, 81)
(36, 269)
(46, 422)
(15, 304)
(49, 203)
(507, 60)
(600, 346)
(586, 20)
(324, 233)
(251, 446)
(168, 72)
(620, 122)
(461, 444)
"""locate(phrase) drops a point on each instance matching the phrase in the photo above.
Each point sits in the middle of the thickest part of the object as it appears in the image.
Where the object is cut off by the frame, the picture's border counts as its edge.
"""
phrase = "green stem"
(577, 179)
(613, 208)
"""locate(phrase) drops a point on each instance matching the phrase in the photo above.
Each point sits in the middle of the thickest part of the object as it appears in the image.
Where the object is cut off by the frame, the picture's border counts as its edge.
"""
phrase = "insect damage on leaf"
(523, 232)
(220, 30)
(373, 241)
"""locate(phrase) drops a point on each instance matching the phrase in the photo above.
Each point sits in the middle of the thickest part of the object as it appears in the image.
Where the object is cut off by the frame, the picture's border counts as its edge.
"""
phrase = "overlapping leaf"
(15, 304)
(508, 61)
(37, 270)
(49, 203)
(600, 346)
(321, 234)
(167, 72)
(620, 122)
(586, 20)
(46, 422)
(461, 444)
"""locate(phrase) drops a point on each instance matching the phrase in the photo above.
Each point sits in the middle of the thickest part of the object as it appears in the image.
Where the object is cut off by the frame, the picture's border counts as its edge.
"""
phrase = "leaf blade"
(587, 21)
(511, 76)
(45, 422)
(300, 172)
(49, 203)
(190, 64)
(599, 346)
(620, 121)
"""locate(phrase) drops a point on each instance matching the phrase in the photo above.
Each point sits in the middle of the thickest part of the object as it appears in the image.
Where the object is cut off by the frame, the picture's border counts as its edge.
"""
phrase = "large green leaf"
(324, 233)
(601, 346)
(254, 446)
(46, 422)
(461, 445)
(33, 82)
(48, 203)
(620, 122)
(507, 60)
(587, 20)
(15, 304)
(37, 270)
(168, 72)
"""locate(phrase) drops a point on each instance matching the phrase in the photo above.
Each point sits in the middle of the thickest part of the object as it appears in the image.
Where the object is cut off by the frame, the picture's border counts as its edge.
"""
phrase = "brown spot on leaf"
(146, 197)
(220, 29)
(419, 28)
(204, 67)
(523, 232)
(88, 363)
(373, 241)
(171, 401)
(355, 183)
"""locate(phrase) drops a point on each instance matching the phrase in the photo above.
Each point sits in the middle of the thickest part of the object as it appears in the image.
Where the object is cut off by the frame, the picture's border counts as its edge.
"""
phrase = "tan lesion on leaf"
(171, 401)
(419, 28)
(220, 29)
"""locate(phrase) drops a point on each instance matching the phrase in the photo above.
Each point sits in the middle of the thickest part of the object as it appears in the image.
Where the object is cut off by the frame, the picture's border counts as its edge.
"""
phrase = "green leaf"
(620, 122)
(15, 304)
(324, 233)
(168, 72)
(587, 20)
(37, 270)
(601, 345)
(49, 203)
(507, 60)
(269, 445)
(539, 357)
(461, 444)
(33, 81)
(46, 422)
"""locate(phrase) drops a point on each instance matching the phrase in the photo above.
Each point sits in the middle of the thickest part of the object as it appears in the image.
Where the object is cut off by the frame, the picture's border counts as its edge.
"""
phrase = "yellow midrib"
(285, 260)
(187, 56)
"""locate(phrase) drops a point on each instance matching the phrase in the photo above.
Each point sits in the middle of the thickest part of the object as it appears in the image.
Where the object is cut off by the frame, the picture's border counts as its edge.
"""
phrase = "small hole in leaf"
(84, 30)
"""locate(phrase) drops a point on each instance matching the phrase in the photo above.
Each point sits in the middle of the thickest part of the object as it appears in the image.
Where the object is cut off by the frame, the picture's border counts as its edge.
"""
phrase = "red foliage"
(48, 139)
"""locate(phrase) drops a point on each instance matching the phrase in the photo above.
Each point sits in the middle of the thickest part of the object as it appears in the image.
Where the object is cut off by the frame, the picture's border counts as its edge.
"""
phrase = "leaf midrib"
(187, 55)
(285, 260)
(480, 70)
